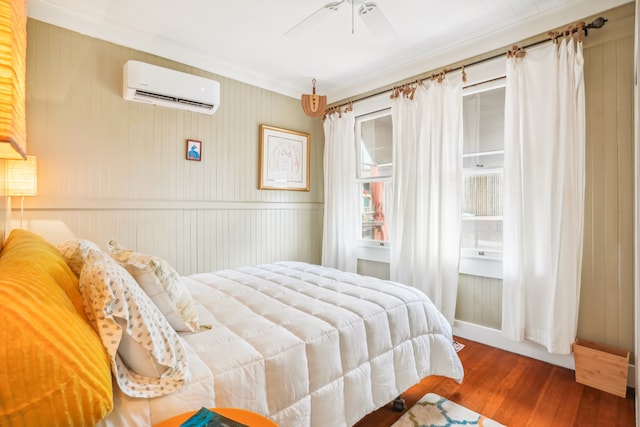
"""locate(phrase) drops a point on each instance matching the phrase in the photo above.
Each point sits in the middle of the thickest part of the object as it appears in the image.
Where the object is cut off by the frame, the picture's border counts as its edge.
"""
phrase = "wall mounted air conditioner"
(169, 88)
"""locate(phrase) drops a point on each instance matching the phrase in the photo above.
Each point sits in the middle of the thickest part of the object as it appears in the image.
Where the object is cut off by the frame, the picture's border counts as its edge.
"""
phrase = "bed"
(301, 344)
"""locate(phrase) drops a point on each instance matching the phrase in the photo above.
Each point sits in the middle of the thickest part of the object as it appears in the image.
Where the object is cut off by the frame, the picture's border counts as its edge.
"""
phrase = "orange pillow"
(53, 367)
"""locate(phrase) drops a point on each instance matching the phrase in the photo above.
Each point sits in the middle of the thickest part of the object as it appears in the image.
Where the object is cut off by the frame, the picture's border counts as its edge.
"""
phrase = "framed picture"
(284, 159)
(194, 150)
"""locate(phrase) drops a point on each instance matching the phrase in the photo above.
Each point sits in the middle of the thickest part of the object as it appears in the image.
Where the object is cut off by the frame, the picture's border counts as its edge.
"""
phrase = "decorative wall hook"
(314, 105)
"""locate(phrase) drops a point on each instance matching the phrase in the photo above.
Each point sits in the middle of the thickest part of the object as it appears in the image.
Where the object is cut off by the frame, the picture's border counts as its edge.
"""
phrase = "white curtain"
(427, 181)
(341, 207)
(544, 195)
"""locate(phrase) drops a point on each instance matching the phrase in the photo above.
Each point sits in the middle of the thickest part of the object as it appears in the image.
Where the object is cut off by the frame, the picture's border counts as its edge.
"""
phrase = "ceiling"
(245, 39)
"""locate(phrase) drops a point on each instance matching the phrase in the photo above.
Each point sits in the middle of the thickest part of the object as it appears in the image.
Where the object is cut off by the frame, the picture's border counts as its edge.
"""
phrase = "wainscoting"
(479, 301)
(194, 237)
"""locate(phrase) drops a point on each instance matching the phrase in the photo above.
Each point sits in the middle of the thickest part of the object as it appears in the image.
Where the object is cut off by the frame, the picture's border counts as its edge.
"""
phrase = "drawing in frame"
(284, 159)
(194, 150)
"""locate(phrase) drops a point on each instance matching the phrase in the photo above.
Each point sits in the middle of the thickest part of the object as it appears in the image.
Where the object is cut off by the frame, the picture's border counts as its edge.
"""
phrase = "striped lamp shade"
(13, 51)
(22, 177)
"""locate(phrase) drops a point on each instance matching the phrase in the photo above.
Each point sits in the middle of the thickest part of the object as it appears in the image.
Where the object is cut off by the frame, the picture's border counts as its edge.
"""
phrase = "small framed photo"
(284, 159)
(194, 150)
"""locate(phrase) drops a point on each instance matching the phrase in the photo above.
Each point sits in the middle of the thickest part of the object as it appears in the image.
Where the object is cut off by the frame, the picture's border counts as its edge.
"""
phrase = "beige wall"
(114, 169)
(606, 303)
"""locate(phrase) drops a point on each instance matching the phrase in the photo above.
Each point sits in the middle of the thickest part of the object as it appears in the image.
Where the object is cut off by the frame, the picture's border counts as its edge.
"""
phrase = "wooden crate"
(601, 366)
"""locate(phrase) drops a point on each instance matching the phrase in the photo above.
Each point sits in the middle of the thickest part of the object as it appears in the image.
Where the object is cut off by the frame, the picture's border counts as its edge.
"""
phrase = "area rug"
(436, 411)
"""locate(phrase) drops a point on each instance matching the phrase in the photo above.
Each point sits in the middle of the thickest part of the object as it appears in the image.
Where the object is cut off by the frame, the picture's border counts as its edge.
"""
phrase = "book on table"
(208, 418)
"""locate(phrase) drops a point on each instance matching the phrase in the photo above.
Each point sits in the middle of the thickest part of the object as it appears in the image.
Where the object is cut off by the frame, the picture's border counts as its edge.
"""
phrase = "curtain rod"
(595, 24)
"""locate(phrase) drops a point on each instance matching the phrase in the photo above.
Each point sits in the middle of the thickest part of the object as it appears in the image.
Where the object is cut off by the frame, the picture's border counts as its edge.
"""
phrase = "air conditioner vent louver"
(152, 96)
(198, 104)
(143, 94)
(169, 88)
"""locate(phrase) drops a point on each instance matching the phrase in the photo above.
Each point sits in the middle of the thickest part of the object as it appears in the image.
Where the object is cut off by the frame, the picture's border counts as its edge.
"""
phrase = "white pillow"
(148, 358)
(162, 284)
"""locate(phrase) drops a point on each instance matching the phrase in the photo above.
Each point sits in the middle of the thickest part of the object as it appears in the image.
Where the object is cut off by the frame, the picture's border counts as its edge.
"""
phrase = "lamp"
(22, 180)
(13, 52)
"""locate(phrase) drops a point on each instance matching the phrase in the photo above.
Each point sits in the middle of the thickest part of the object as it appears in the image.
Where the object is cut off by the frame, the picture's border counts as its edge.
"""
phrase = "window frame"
(486, 76)
(371, 250)
(387, 180)
(481, 73)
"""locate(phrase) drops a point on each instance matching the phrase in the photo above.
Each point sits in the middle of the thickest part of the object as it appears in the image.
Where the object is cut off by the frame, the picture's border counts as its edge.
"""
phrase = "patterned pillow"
(147, 357)
(76, 252)
(162, 284)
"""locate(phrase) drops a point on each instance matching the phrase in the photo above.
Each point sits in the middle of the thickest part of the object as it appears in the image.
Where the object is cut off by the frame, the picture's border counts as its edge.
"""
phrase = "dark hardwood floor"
(519, 391)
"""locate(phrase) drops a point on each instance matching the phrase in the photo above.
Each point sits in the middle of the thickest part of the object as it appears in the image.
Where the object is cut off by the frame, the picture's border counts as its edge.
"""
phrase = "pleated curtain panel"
(427, 189)
(340, 192)
(544, 180)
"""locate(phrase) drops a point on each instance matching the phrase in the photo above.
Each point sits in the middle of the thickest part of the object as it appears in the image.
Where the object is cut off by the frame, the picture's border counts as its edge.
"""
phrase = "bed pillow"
(147, 357)
(76, 252)
(53, 367)
(162, 284)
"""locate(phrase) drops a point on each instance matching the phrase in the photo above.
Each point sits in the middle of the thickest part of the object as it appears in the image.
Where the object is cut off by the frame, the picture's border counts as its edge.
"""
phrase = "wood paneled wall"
(607, 297)
(115, 169)
(479, 301)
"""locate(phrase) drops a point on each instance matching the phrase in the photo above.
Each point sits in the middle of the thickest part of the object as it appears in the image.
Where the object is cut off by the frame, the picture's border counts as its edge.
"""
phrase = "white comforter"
(304, 345)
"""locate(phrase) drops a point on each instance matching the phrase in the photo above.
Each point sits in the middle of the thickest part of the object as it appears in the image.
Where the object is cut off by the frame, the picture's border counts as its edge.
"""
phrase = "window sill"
(373, 251)
(471, 265)
(481, 266)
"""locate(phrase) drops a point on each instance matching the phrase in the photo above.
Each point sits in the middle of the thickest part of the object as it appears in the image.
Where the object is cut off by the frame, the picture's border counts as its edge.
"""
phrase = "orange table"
(240, 415)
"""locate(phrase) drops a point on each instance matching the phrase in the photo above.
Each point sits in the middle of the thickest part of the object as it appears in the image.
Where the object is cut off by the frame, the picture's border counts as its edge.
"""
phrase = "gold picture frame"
(284, 159)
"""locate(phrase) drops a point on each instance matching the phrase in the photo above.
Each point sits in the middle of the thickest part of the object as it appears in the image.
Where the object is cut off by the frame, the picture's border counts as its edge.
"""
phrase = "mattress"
(304, 345)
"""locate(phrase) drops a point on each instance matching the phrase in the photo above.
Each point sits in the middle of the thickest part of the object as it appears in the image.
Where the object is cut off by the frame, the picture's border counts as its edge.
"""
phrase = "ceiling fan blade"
(375, 20)
(315, 18)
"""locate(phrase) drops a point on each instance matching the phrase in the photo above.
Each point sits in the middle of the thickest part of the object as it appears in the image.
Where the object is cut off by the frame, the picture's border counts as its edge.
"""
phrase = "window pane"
(482, 194)
(484, 121)
(482, 214)
(482, 236)
(374, 137)
(483, 162)
(373, 205)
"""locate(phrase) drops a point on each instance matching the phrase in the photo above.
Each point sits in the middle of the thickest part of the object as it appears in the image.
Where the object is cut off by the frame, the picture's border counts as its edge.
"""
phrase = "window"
(374, 142)
(483, 160)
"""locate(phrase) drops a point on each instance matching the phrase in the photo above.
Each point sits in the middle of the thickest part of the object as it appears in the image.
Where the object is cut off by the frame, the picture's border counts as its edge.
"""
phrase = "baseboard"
(494, 338)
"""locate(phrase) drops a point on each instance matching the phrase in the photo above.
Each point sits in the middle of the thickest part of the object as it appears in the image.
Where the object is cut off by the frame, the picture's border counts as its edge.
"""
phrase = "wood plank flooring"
(519, 391)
